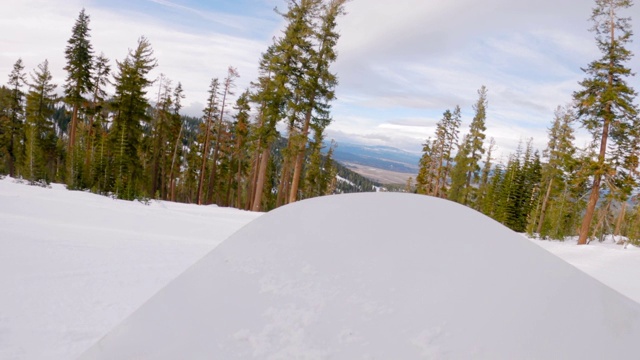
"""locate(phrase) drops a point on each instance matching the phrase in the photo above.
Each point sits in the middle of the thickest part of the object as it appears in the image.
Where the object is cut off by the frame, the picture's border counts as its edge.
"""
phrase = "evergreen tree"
(483, 188)
(318, 86)
(227, 90)
(211, 113)
(605, 106)
(556, 171)
(467, 168)
(425, 172)
(96, 129)
(177, 134)
(447, 130)
(40, 148)
(79, 82)
(240, 130)
(457, 191)
(476, 142)
(5, 128)
(280, 71)
(161, 140)
(131, 106)
(514, 191)
(15, 114)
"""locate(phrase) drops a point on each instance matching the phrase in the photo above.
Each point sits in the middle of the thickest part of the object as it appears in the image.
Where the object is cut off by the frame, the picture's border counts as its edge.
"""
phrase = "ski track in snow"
(73, 265)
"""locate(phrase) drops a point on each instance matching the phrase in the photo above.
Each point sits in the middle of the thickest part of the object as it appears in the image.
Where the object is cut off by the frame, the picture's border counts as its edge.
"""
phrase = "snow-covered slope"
(378, 276)
(73, 265)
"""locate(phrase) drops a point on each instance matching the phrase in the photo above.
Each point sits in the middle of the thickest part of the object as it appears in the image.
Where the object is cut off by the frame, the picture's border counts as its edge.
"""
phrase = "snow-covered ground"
(614, 265)
(378, 276)
(73, 265)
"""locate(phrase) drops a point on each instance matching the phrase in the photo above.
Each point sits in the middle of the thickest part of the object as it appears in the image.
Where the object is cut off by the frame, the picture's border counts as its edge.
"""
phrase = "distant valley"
(383, 164)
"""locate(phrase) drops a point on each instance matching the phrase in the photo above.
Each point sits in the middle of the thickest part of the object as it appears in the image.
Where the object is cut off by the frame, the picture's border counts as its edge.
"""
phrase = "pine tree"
(483, 188)
(277, 94)
(40, 152)
(211, 113)
(5, 128)
(177, 128)
(97, 118)
(425, 176)
(131, 107)
(318, 86)
(240, 130)
(476, 142)
(457, 191)
(447, 130)
(227, 90)
(17, 79)
(605, 106)
(79, 82)
(161, 140)
(560, 152)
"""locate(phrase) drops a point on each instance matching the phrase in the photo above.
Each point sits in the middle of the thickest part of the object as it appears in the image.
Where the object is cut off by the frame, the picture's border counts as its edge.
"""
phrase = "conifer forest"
(113, 130)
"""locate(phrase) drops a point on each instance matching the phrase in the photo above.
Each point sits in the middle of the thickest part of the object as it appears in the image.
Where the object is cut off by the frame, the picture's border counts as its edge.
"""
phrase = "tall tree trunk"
(591, 206)
(251, 185)
(205, 154)
(467, 188)
(260, 180)
(543, 210)
(72, 133)
(299, 160)
(620, 219)
(285, 175)
(216, 150)
(283, 185)
(173, 164)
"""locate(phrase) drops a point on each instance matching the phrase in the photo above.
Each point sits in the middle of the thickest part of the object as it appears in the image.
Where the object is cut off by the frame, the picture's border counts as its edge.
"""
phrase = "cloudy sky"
(401, 63)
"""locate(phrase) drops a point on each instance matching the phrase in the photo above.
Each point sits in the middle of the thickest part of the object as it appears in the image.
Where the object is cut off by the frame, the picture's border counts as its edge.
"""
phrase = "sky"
(400, 64)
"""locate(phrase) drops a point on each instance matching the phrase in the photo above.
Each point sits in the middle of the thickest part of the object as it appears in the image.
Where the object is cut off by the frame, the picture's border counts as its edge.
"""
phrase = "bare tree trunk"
(260, 180)
(299, 160)
(543, 210)
(251, 185)
(620, 219)
(72, 133)
(205, 151)
(173, 163)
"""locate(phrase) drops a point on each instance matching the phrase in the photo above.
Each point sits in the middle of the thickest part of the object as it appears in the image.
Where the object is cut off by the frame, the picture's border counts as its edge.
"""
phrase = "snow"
(73, 264)
(609, 263)
(389, 276)
(340, 178)
(378, 276)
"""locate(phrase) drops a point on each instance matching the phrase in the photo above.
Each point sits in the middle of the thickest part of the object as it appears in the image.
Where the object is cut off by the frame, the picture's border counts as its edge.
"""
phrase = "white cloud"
(41, 30)
(400, 65)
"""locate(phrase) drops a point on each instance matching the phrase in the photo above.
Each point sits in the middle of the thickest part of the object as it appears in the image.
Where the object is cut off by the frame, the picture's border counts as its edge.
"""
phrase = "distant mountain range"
(381, 157)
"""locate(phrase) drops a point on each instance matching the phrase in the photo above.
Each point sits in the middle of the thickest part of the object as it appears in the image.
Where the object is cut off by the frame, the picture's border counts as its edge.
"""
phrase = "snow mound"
(378, 275)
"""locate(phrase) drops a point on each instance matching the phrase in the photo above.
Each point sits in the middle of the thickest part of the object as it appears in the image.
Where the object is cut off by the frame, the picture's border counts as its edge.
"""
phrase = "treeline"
(569, 190)
(121, 145)
(352, 182)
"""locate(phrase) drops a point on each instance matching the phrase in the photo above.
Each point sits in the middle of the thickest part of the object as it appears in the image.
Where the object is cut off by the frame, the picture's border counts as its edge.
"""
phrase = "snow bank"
(385, 276)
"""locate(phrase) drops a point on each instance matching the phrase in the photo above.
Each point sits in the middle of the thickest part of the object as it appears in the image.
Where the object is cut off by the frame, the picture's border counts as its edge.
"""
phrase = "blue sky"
(401, 63)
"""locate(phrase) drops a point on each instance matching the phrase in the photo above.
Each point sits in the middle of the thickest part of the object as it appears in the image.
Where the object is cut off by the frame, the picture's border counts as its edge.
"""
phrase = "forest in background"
(567, 190)
(135, 144)
(122, 145)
